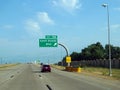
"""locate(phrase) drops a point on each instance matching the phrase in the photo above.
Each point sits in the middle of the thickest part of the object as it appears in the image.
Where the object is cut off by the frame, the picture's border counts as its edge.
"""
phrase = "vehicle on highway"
(45, 68)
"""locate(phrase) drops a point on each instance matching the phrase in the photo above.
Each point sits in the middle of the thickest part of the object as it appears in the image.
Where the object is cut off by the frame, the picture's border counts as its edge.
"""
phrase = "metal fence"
(115, 63)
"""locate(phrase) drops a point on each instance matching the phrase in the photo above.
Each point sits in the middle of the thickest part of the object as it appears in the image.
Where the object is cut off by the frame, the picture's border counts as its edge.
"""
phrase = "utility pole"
(109, 52)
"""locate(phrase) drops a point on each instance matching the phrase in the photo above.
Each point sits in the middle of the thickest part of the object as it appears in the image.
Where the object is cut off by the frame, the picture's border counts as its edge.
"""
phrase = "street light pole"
(110, 70)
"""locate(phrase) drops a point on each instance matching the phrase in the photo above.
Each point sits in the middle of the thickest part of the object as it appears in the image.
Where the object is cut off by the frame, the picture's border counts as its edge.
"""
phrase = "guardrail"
(73, 69)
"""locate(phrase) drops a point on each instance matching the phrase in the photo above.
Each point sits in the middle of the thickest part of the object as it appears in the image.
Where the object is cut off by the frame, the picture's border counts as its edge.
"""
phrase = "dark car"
(45, 68)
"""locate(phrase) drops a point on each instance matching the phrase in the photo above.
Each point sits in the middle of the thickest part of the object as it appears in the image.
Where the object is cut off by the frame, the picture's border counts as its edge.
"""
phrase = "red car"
(45, 68)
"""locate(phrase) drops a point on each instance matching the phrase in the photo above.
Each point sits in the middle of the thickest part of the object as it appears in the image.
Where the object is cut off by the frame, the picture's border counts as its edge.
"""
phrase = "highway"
(29, 77)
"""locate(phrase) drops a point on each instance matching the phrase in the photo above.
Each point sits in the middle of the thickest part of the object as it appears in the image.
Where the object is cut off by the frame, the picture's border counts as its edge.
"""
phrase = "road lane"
(26, 80)
(31, 78)
(60, 80)
(9, 72)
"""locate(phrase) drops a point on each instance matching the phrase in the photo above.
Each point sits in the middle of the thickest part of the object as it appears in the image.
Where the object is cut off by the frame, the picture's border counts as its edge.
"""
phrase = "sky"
(77, 24)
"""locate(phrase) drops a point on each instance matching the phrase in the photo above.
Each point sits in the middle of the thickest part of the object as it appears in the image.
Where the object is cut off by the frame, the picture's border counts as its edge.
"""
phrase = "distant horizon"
(25, 59)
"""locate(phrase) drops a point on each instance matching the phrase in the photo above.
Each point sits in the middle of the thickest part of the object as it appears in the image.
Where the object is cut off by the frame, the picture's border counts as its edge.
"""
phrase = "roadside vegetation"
(4, 66)
(98, 71)
(96, 51)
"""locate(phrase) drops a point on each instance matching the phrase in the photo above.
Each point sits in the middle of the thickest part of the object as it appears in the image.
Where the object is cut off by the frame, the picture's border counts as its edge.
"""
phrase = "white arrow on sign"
(55, 44)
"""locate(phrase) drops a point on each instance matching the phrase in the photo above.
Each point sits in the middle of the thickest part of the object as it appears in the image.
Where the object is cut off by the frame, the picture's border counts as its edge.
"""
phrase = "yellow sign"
(68, 59)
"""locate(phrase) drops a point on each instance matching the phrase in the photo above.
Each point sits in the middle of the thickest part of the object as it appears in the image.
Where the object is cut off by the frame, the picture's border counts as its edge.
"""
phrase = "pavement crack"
(11, 76)
(40, 76)
(49, 88)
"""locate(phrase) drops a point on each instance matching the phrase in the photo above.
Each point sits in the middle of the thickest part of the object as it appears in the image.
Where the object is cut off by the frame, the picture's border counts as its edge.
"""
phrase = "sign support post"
(51, 41)
(68, 58)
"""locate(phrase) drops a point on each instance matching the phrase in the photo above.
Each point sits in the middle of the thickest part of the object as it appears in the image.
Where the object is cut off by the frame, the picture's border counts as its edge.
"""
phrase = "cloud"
(7, 27)
(118, 9)
(68, 5)
(13, 48)
(115, 26)
(44, 18)
(32, 26)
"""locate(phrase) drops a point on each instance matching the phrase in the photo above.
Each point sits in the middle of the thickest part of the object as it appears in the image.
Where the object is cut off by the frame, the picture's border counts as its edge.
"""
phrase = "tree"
(93, 51)
(75, 56)
(115, 52)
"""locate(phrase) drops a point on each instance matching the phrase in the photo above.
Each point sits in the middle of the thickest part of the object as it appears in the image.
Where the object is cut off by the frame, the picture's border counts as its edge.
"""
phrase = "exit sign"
(48, 43)
(51, 36)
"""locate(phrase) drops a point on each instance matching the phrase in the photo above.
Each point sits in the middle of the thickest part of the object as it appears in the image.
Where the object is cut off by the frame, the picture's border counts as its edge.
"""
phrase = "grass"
(102, 71)
(58, 67)
(97, 71)
(3, 66)
(116, 73)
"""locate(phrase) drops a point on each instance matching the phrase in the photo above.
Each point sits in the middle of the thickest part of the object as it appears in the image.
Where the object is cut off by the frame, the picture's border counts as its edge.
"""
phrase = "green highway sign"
(51, 36)
(48, 43)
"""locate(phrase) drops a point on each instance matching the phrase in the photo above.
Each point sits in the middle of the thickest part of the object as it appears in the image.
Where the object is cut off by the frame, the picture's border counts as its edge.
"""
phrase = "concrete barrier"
(73, 69)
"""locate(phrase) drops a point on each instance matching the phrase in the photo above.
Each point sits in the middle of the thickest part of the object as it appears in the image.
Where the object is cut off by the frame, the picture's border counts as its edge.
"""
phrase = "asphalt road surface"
(29, 77)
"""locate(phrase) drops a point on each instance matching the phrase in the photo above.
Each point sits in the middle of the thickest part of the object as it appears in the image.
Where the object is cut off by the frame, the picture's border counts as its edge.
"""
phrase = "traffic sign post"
(52, 41)
(68, 60)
